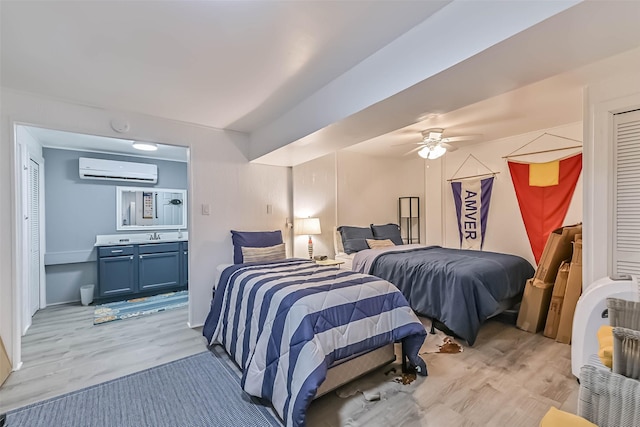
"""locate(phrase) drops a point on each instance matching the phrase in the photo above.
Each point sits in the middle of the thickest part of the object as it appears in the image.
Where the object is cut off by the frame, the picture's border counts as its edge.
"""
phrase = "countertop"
(140, 238)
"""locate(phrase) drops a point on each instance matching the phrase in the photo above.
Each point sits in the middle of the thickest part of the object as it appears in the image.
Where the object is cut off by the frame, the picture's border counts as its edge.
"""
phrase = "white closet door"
(626, 230)
(34, 236)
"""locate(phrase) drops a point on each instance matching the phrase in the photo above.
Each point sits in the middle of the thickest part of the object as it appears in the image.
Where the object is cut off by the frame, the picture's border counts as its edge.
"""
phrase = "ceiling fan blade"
(407, 143)
(413, 150)
(449, 147)
(463, 138)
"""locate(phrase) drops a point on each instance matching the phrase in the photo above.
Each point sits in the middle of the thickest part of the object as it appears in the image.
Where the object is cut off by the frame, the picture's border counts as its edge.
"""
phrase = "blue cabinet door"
(117, 275)
(158, 270)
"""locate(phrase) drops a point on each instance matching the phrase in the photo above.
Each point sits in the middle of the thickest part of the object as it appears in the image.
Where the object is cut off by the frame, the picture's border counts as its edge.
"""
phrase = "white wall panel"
(349, 188)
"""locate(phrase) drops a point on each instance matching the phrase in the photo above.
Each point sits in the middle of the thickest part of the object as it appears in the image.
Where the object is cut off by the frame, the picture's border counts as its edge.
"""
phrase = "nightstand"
(332, 262)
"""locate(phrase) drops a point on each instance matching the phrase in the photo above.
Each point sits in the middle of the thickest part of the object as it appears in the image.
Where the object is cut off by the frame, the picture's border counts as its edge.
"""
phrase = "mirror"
(150, 208)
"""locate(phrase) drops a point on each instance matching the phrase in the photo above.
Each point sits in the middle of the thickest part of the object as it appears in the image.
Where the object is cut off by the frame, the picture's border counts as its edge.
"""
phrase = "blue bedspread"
(460, 288)
(286, 322)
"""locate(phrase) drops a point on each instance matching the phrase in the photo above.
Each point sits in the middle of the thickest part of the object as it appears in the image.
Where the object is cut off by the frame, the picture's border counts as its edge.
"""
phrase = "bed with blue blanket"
(460, 288)
(286, 323)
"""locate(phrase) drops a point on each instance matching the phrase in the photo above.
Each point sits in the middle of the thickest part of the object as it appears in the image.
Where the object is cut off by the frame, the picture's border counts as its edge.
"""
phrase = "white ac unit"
(117, 171)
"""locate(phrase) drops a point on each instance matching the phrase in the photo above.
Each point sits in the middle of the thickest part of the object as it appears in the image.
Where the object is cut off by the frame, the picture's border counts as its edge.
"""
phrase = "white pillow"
(381, 243)
(268, 253)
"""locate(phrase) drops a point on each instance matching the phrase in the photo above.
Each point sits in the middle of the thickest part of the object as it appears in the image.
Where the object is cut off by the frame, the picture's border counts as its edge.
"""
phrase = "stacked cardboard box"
(572, 293)
(557, 297)
(539, 290)
(5, 365)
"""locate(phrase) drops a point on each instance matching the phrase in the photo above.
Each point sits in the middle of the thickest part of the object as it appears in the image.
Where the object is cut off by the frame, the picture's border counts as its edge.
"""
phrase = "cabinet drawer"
(115, 250)
(159, 247)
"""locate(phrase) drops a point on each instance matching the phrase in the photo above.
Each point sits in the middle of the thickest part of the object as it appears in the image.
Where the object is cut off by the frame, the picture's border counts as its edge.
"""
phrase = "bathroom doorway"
(63, 213)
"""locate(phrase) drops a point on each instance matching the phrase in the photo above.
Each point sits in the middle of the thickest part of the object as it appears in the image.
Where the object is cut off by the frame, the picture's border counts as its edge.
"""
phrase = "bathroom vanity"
(141, 265)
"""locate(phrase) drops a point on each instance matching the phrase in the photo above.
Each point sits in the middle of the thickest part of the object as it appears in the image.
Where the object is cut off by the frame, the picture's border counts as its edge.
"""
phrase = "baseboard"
(195, 325)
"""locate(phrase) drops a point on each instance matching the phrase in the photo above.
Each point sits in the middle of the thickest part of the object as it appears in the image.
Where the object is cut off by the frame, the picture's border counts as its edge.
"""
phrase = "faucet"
(154, 236)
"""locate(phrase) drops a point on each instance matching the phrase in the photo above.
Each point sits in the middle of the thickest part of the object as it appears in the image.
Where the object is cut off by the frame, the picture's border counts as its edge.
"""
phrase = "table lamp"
(308, 226)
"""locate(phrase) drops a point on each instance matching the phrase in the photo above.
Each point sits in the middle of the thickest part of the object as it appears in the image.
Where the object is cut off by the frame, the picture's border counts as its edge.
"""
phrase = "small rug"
(139, 306)
(198, 391)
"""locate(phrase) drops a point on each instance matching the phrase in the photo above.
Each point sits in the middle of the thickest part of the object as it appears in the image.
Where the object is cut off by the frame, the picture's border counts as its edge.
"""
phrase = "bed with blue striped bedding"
(286, 322)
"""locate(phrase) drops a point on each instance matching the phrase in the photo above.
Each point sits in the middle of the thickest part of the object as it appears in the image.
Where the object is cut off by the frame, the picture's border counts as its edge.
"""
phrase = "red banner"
(543, 198)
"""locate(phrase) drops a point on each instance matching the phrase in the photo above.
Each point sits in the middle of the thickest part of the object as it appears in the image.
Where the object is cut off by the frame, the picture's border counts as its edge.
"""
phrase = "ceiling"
(307, 78)
(99, 144)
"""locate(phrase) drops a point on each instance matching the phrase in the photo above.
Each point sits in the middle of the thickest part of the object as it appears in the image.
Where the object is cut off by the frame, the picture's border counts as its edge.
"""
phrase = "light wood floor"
(508, 378)
(63, 351)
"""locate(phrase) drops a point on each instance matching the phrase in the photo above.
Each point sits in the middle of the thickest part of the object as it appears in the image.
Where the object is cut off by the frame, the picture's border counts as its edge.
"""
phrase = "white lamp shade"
(307, 226)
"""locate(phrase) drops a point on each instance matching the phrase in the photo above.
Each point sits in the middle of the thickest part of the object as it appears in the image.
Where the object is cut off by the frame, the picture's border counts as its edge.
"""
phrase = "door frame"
(24, 156)
(18, 273)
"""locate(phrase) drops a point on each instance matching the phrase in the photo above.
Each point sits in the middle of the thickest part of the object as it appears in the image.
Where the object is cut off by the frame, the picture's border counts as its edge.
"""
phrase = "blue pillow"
(354, 239)
(253, 239)
(387, 231)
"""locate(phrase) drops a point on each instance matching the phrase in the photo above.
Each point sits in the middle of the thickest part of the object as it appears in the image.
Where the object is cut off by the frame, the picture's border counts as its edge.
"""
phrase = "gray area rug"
(202, 390)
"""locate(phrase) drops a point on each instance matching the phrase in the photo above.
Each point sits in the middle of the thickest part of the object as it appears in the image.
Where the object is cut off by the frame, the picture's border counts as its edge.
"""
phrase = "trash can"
(86, 294)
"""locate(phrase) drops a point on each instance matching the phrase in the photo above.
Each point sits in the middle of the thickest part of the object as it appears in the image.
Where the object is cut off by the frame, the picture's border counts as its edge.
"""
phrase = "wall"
(314, 194)
(78, 209)
(369, 188)
(505, 228)
(350, 188)
(219, 175)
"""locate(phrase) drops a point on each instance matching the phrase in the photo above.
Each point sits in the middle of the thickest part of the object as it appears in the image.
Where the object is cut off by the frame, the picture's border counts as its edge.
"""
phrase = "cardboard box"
(5, 365)
(571, 295)
(557, 249)
(557, 297)
(577, 251)
(534, 306)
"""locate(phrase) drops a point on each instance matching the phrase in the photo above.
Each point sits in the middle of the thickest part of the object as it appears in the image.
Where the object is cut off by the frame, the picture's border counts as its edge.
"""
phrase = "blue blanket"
(286, 322)
(460, 288)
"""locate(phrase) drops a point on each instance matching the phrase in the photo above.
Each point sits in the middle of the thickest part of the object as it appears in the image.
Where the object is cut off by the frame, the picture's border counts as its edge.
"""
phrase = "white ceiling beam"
(458, 31)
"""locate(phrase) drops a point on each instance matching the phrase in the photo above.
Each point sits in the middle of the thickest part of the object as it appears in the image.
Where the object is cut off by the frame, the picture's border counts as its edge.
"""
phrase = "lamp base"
(310, 246)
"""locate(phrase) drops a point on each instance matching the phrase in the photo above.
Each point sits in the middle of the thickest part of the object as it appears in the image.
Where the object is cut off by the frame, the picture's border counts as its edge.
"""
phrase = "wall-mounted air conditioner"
(117, 171)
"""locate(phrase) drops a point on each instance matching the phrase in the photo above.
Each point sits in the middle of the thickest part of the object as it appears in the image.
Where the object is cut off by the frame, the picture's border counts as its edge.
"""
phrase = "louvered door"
(34, 236)
(626, 230)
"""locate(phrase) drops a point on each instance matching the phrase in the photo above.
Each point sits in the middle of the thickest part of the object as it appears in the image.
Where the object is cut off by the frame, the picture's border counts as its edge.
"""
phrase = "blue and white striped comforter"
(286, 322)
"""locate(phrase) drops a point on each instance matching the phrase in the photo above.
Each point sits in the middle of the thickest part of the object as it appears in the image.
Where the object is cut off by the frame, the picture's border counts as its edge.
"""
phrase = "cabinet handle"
(131, 257)
(117, 251)
(185, 252)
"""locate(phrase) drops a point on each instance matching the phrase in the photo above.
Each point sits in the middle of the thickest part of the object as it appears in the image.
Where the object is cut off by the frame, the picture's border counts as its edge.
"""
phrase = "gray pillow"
(387, 231)
(354, 239)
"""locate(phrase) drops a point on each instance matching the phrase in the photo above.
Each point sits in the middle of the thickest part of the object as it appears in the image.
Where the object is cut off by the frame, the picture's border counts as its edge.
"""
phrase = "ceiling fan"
(434, 145)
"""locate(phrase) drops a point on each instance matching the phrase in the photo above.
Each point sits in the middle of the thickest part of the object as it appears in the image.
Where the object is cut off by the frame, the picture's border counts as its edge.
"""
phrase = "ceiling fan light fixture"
(431, 152)
(145, 146)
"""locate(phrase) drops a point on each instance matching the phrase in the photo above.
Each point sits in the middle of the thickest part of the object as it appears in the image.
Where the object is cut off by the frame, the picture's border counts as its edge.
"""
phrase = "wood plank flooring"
(63, 351)
(509, 377)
